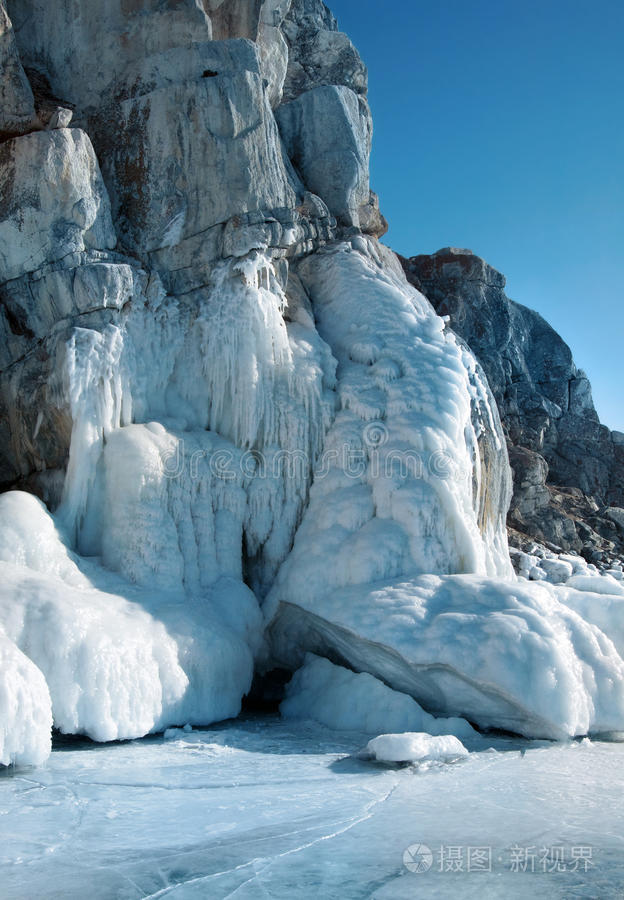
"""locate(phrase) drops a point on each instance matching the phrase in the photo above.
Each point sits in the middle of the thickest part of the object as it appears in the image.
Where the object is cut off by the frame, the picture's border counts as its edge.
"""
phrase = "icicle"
(100, 402)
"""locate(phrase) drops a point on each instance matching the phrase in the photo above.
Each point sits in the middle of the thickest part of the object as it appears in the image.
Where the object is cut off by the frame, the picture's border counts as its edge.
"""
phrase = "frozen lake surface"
(261, 808)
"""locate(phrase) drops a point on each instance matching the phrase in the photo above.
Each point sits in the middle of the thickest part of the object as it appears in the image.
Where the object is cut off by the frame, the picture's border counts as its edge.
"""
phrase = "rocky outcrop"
(228, 394)
(318, 53)
(53, 201)
(568, 468)
(219, 130)
(17, 104)
(327, 134)
(58, 271)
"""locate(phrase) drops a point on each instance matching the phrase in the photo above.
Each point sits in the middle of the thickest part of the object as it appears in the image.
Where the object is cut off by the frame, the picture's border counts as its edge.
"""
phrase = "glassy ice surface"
(260, 807)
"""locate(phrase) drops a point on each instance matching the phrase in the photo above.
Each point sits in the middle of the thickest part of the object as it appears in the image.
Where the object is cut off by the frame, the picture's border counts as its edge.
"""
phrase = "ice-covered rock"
(557, 571)
(599, 603)
(57, 272)
(348, 701)
(225, 360)
(601, 584)
(41, 314)
(257, 390)
(544, 400)
(416, 747)
(394, 493)
(501, 654)
(25, 709)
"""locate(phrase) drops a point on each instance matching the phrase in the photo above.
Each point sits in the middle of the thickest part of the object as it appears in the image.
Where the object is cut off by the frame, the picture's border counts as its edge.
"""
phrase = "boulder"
(327, 133)
(505, 655)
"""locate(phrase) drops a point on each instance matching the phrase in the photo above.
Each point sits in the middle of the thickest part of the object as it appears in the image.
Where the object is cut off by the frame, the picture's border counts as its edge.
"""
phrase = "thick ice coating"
(347, 701)
(254, 438)
(120, 660)
(395, 493)
(501, 654)
(25, 709)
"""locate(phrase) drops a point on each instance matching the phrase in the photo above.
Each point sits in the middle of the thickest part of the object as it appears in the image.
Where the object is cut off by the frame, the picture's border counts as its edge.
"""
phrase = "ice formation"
(415, 747)
(500, 653)
(240, 402)
(396, 492)
(120, 660)
(256, 438)
(180, 492)
(345, 701)
(25, 709)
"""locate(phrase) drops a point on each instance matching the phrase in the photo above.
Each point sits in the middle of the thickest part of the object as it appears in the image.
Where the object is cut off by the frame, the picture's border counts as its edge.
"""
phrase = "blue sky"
(499, 126)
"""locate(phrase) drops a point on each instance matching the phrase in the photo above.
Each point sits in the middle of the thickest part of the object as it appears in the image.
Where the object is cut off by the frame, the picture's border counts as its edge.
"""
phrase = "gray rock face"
(318, 53)
(191, 159)
(371, 219)
(555, 437)
(152, 68)
(258, 21)
(39, 313)
(156, 167)
(324, 118)
(17, 105)
(53, 201)
(327, 133)
(107, 49)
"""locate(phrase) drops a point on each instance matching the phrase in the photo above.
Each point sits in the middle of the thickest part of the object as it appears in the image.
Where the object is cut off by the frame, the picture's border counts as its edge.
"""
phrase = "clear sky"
(499, 126)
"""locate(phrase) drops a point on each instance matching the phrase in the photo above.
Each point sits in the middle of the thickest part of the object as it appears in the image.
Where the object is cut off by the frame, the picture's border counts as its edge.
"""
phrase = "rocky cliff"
(568, 468)
(252, 436)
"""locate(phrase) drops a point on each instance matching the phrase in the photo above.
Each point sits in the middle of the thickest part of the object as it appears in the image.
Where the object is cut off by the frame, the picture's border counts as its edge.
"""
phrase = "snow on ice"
(414, 747)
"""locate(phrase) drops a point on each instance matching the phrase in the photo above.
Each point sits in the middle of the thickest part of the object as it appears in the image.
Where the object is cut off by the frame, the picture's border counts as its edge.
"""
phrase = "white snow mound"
(25, 709)
(415, 747)
(121, 660)
(601, 584)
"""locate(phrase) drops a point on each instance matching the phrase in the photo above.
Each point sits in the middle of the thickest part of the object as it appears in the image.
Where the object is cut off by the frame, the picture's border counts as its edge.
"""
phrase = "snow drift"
(414, 747)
